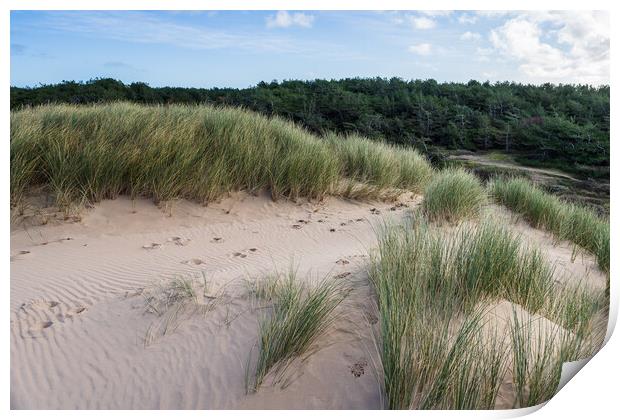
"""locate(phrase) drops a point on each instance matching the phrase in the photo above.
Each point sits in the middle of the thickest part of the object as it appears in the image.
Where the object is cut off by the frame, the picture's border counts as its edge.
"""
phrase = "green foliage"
(196, 152)
(565, 126)
(431, 290)
(452, 195)
(567, 221)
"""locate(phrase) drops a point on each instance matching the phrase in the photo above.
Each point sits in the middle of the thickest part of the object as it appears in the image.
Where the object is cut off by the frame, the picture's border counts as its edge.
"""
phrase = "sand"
(78, 323)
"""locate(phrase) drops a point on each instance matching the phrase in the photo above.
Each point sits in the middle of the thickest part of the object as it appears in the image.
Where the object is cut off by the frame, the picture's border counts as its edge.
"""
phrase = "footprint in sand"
(343, 275)
(177, 240)
(239, 254)
(357, 369)
(14, 257)
(332, 230)
(39, 305)
(375, 211)
(217, 240)
(152, 245)
(195, 261)
(62, 317)
(296, 226)
(39, 326)
(342, 261)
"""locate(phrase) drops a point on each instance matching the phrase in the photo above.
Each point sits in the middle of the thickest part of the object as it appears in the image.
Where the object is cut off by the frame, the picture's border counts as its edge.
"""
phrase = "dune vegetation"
(297, 317)
(433, 282)
(566, 221)
(432, 289)
(452, 195)
(89, 153)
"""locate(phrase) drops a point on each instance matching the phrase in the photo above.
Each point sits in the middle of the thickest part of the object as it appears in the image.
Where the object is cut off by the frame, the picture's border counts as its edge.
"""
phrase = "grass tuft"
(453, 195)
(298, 317)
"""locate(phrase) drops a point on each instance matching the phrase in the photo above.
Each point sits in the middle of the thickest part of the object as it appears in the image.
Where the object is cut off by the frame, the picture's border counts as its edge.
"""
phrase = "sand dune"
(78, 324)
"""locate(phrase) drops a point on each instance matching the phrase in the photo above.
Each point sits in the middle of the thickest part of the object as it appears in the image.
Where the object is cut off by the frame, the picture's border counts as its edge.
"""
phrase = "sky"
(241, 48)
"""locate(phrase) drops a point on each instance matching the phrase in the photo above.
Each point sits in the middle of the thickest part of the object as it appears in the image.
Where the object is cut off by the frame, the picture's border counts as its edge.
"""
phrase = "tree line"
(563, 126)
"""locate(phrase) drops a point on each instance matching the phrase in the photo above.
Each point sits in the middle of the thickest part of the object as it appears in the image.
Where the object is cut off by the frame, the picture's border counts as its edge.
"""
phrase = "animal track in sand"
(342, 261)
(195, 261)
(39, 305)
(62, 317)
(68, 238)
(177, 240)
(42, 314)
(342, 275)
(357, 369)
(217, 240)
(14, 257)
(151, 246)
(239, 254)
(398, 206)
(296, 226)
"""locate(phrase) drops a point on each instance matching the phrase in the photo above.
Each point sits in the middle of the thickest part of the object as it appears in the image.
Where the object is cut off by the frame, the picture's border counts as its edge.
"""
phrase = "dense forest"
(565, 126)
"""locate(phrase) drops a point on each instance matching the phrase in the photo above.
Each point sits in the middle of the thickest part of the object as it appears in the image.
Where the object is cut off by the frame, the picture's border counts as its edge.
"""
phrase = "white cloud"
(562, 47)
(284, 19)
(465, 19)
(421, 49)
(470, 36)
(422, 22)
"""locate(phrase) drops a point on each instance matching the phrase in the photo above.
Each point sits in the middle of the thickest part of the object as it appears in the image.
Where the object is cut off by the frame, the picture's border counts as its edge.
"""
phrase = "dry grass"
(174, 302)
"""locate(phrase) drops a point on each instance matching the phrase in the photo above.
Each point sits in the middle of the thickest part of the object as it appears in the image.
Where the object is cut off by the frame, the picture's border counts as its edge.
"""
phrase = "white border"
(592, 394)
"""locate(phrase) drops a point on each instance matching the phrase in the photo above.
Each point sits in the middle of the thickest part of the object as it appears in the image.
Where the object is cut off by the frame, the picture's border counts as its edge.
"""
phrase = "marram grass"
(431, 290)
(565, 220)
(298, 316)
(88, 153)
(453, 195)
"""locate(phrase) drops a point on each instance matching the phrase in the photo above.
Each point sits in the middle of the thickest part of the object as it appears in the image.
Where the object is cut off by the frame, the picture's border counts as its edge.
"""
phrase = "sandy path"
(77, 327)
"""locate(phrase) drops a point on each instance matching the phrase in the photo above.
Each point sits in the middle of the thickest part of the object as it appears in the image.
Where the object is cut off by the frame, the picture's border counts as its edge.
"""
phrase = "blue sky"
(240, 49)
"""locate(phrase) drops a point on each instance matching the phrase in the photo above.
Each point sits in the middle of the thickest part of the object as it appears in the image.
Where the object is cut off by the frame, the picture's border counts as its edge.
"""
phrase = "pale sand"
(78, 323)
